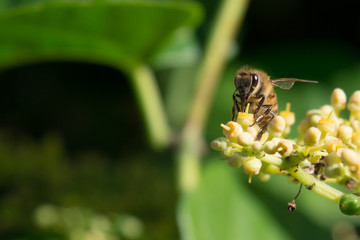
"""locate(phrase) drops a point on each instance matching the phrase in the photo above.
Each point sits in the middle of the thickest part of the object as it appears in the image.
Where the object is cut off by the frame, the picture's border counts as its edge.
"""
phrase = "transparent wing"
(287, 83)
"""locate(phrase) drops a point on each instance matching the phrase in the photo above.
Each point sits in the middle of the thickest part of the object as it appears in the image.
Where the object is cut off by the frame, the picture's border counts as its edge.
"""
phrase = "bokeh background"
(77, 158)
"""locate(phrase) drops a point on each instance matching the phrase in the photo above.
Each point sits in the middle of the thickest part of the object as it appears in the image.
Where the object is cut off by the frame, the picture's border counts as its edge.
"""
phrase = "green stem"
(148, 97)
(226, 25)
(302, 176)
(318, 186)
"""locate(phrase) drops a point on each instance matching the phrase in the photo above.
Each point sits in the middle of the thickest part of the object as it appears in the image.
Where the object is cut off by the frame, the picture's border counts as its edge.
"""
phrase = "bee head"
(246, 81)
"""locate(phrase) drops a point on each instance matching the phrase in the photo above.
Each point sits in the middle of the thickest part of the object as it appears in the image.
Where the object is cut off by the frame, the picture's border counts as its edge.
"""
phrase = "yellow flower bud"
(338, 99)
(345, 133)
(326, 125)
(354, 102)
(312, 136)
(277, 126)
(231, 130)
(313, 112)
(355, 125)
(264, 177)
(352, 159)
(270, 147)
(326, 110)
(286, 131)
(304, 125)
(219, 144)
(332, 143)
(284, 147)
(236, 160)
(229, 151)
(253, 130)
(252, 166)
(245, 119)
(288, 116)
(257, 146)
(355, 139)
(264, 137)
(332, 158)
(245, 139)
(315, 119)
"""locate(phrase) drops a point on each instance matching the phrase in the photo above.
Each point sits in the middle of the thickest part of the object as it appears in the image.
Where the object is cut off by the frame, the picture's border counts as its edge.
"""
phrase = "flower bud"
(326, 110)
(338, 99)
(315, 119)
(354, 102)
(231, 130)
(264, 137)
(245, 119)
(236, 160)
(355, 125)
(355, 139)
(219, 144)
(288, 116)
(229, 151)
(257, 146)
(332, 144)
(312, 136)
(304, 125)
(332, 159)
(253, 130)
(245, 139)
(313, 112)
(252, 166)
(326, 125)
(277, 126)
(351, 158)
(345, 133)
(335, 170)
(270, 147)
(284, 147)
(264, 177)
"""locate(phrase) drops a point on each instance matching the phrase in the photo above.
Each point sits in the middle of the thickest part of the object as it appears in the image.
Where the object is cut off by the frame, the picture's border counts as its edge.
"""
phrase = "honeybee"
(255, 87)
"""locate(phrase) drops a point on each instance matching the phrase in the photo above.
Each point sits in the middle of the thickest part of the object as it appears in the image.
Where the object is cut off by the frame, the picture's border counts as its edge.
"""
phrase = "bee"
(255, 87)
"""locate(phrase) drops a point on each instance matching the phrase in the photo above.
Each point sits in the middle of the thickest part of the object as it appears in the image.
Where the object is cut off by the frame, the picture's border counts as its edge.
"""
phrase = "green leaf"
(118, 33)
(223, 208)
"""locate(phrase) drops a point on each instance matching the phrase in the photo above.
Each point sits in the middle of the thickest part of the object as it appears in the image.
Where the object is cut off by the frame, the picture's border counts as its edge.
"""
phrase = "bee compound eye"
(254, 78)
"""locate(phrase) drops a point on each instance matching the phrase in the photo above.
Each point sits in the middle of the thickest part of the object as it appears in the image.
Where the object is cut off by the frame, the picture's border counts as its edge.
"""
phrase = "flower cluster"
(326, 150)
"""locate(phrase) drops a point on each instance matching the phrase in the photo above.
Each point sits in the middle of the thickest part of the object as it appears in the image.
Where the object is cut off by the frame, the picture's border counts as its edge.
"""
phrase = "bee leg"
(262, 96)
(264, 127)
(262, 99)
(236, 107)
(261, 117)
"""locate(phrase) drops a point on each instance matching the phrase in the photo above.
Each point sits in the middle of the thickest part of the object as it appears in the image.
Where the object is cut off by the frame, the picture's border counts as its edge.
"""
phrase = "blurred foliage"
(72, 137)
(118, 33)
(37, 173)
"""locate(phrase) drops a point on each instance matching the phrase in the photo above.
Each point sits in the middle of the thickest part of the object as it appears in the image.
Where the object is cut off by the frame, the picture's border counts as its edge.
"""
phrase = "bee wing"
(287, 83)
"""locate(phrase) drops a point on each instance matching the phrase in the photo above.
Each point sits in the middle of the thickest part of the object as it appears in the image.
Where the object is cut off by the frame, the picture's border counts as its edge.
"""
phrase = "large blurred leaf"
(222, 208)
(120, 33)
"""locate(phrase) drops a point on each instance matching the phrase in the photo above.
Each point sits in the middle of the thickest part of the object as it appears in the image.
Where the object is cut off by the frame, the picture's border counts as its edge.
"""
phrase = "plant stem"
(318, 186)
(226, 25)
(148, 97)
(307, 179)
